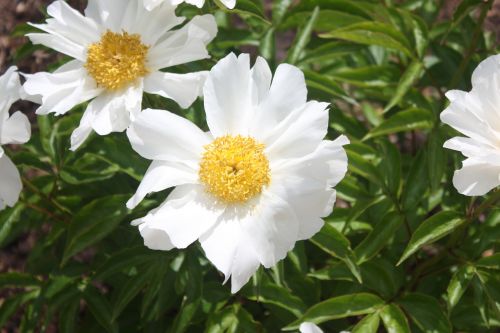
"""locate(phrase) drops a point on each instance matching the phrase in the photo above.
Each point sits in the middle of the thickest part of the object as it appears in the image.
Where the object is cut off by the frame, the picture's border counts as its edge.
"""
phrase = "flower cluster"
(262, 177)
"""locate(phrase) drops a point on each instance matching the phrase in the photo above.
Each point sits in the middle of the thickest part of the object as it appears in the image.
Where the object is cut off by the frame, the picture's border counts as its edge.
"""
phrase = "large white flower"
(260, 180)
(14, 129)
(151, 4)
(476, 114)
(118, 48)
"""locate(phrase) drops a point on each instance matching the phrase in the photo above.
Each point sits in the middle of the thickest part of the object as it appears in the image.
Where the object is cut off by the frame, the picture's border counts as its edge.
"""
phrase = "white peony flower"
(309, 328)
(14, 129)
(118, 48)
(151, 4)
(260, 180)
(476, 114)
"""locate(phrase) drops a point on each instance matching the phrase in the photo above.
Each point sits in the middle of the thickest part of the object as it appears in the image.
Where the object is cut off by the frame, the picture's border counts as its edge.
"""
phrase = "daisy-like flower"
(118, 48)
(14, 129)
(476, 114)
(260, 180)
(151, 4)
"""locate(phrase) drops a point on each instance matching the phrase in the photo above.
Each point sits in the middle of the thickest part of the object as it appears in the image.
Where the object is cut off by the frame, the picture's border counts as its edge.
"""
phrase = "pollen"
(117, 60)
(234, 168)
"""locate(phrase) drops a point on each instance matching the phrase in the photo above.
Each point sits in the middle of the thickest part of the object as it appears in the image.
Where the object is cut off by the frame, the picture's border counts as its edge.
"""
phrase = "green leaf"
(378, 238)
(333, 242)
(279, 296)
(403, 121)
(394, 319)
(15, 279)
(410, 76)
(372, 33)
(369, 324)
(492, 262)
(130, 289)
(94, 222)
(458, 284)
(339, 307)
(7, 220)
(416, 183)
(302, 38)
(431, 230)
(100, 308)
(426, 313)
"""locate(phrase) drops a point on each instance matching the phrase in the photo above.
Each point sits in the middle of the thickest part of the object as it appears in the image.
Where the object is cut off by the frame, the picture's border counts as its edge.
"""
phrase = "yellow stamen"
(117, 60)
(234, 168)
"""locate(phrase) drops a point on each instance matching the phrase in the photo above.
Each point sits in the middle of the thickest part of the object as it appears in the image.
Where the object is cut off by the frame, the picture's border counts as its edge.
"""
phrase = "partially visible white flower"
(14, 129)
(118, 48)
(151, 4)
(259, 181)
(309, 328)
(476, 114)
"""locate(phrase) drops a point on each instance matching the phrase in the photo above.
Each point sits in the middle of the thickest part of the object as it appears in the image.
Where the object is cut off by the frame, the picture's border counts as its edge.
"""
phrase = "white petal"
(288, 92)
(10, 181)
(184, 45)
(272, 228)
(16, 129)
(309, 328)
(68, 31)
(475, 179)
(10, 87)
(187, 213)
(308, 181)
(262, 77)
(473, 116)
(83, 131)
(487, 68)
(114, 110)
(230, 250)
(182, 88)
(155, 239)
(229, 3)
(228, 96)
(160, 176)
(298, 134)
(162, 135)
(62, 90)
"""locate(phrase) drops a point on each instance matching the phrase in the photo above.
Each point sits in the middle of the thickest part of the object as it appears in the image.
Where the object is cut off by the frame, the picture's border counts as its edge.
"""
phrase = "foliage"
(402, 251)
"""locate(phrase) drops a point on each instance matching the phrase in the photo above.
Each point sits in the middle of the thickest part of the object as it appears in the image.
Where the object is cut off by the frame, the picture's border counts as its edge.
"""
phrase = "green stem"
(50, 200)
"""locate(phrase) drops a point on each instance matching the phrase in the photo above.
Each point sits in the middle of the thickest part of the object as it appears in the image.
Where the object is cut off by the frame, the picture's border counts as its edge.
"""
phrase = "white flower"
(118, 48)
(260, 180)
(476, 114)
(309, 328)
(13, 130)
(151, 4)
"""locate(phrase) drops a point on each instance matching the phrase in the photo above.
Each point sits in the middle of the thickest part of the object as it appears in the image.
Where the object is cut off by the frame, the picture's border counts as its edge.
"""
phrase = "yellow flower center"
(117, 60)
(234, 168)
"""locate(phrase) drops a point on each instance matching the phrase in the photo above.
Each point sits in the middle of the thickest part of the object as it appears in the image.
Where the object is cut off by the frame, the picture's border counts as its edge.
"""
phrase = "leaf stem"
(50, 200)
